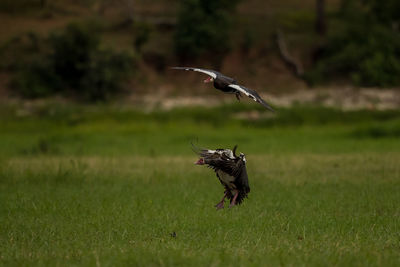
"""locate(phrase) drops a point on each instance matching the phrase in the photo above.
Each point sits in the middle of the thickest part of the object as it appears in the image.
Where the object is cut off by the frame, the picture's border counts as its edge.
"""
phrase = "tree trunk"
(128, 6)
(320, 23)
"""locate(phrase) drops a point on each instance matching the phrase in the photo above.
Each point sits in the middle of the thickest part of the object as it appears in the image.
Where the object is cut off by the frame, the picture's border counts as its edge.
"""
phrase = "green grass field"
(107, 186)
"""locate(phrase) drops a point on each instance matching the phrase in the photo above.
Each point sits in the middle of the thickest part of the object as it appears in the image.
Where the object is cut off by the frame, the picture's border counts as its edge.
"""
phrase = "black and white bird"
(230, 170)
(228, 85)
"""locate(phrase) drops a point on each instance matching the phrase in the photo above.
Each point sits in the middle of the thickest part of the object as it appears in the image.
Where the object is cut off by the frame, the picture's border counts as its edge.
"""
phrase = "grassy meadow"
(116, 186)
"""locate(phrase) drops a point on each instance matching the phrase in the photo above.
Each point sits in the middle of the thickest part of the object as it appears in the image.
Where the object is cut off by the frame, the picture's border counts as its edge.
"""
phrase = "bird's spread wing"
(251, 94)
(221, 159)
(211, 73)
(224, 164)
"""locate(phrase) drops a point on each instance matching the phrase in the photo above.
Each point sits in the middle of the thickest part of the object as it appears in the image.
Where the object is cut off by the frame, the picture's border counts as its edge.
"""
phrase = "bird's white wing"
(251, 94)
(211, 73)
(243, 90)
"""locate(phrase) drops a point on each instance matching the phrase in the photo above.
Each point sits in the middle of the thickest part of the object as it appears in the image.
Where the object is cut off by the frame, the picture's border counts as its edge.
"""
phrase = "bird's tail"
(262, 102)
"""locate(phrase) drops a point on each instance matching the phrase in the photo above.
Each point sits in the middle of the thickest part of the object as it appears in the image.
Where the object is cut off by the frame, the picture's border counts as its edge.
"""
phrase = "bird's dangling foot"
(220, 205)
(233, 202)
(238, 95)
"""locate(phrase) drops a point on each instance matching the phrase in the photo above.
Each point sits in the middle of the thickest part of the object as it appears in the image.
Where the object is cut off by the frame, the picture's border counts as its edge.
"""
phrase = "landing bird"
(227, 85)
(230, 170)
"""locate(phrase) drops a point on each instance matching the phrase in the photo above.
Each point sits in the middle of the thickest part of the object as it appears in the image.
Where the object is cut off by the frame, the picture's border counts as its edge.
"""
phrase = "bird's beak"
(200, 161)
(208, 80)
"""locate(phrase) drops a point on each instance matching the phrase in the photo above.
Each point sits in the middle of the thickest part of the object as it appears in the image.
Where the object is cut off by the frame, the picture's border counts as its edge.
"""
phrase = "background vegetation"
(365, 47)
(69, 62)
(204, 29)
(353, 42)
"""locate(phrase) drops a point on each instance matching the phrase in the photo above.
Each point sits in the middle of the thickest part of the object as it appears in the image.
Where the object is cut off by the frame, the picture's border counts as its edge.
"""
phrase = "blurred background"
(107, 50)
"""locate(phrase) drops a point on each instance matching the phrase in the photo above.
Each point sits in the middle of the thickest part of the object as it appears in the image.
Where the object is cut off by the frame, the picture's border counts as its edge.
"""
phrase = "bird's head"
(209, 80)
(200, 162)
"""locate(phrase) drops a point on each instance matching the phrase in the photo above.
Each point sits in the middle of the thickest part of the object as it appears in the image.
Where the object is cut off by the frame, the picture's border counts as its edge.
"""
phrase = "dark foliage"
(103, 76)
(73, 52)
(364, 46)
(377, 131)
(73, 63)
(204, 28)
(13, 6)
(37, 79)
(142, 33)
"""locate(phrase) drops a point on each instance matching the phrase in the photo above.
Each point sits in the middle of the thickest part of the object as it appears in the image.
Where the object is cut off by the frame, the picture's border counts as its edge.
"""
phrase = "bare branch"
(294, 66)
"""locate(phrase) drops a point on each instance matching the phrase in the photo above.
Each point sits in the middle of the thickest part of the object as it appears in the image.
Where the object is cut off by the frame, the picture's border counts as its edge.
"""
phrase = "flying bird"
(228, 85)
(230, 170)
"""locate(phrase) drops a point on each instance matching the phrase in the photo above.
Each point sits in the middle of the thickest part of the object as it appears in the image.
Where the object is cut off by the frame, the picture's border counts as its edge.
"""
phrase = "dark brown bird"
(227, 85)
(230, 170)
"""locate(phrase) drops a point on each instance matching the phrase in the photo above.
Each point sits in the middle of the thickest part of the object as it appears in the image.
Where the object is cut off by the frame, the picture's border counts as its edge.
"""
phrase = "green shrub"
(103, 76)
(20, 50)
(204, 28)
(142, 32)
(72, 51)
(26, 56)
(37, 79)
(74, 64)
(363, 47)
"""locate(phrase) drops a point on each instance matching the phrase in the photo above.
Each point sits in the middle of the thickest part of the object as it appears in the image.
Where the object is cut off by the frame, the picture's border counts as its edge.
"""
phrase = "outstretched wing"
(223, 153)
(222, 159)
(221, 162)
(211, 73)
(251, 94)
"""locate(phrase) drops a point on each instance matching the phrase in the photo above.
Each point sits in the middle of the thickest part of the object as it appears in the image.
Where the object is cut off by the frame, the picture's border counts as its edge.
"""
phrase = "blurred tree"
(72, 51)
(320, 23)
(364, 45)
(142, 33)
(74, 63)
(386, 12)
(294, 65)
(127, 6)
(203, 29)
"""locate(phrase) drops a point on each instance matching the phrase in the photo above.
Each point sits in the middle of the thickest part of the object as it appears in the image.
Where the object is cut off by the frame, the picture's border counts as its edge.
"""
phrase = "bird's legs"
(238, 95)
(220, 205)
(233, 202)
